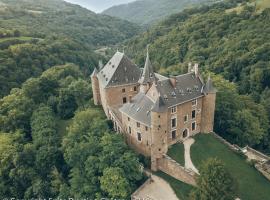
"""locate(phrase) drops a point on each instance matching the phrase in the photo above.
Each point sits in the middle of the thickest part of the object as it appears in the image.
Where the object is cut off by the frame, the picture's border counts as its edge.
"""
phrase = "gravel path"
(158, 189)
(188, 161)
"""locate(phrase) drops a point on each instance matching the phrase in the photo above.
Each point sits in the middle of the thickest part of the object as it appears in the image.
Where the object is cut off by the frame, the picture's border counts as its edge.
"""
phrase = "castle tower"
(208, 112)
(95, 87)
(148, 75)
(158, 133)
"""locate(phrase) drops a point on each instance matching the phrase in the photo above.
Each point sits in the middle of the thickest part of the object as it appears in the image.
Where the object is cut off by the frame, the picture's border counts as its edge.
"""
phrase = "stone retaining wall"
(257, 153)
(174, 169)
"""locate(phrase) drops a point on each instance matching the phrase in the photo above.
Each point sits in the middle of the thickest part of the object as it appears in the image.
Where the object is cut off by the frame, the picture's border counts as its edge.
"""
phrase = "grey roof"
(148, 75)
(139, 109)
(188, 87)
(120, 70)
(209, 87)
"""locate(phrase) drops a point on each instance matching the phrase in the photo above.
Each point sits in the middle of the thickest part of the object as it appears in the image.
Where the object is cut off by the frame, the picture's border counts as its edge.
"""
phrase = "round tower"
(95, 87)
(208, 107)
(159, 133)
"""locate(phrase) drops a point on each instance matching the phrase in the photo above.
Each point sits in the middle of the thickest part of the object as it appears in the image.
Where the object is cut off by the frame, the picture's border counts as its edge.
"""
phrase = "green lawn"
(177, 153)
(251, 184)
(181, 189)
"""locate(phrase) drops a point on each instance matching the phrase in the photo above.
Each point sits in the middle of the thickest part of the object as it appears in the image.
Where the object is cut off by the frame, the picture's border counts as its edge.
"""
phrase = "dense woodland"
(230, 40)
(41, 158)
(36, 35)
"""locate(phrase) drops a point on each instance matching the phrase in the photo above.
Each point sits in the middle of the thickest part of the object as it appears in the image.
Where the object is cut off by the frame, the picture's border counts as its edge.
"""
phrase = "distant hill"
(145, 12)
(40, 18)
(36, 35)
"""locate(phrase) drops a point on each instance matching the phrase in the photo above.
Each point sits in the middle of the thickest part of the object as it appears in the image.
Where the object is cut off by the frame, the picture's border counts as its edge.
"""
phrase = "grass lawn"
(177, 153)
(251, 184)
(181, 189)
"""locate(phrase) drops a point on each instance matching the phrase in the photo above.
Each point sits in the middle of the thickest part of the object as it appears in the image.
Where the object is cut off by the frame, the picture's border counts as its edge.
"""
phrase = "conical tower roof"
(148, 75)
(159, 105)
(209, 87)
(95, 72)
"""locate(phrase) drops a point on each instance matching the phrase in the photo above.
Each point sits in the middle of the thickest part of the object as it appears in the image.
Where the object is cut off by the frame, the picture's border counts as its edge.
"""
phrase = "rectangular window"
(139, 136)
(194, 102)
(174, 123)
(128, 119)
(173, 109)
(185, 118)
(129, 130)
(193, 126)
(123, 90)
(138, 125)
(146, 128)
(135, 88)
(124, 100)
(174, 134)
(193, 114)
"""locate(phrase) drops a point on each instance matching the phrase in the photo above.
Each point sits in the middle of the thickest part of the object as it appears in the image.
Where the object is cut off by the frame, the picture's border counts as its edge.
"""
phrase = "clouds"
(98, 5)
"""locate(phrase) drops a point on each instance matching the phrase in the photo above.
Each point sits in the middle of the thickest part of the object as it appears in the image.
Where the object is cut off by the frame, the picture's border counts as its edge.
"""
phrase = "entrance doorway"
(185, 133)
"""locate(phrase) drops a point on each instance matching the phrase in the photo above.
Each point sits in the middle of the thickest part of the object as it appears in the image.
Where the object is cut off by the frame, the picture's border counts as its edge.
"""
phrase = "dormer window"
(173, 109)
(189, 90)
(194, 102)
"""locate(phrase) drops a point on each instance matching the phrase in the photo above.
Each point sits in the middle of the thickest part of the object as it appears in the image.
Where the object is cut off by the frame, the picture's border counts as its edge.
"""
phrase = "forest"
(41, 157)
(36, 35)
(230, 41)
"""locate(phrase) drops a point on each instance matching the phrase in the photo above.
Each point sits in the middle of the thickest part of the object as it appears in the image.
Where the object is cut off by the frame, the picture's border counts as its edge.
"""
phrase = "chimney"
(196, 69)
(173, 81)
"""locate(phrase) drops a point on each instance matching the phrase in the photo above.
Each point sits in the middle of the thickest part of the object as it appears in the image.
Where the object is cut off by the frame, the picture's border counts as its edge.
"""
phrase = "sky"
(98, 5)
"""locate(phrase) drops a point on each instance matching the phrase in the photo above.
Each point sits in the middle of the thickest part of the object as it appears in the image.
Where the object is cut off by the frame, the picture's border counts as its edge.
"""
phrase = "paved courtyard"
(157, 189)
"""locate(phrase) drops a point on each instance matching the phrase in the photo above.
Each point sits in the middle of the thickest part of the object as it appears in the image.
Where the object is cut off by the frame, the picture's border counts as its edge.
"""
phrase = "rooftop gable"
(120, 70)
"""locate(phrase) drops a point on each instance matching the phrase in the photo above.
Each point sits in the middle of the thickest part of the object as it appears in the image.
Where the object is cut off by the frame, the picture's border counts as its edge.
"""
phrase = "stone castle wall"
(143, 146)
(174, 169)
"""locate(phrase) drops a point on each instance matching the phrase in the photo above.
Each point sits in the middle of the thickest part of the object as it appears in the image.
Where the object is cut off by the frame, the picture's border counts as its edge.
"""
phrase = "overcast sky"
(98, 5)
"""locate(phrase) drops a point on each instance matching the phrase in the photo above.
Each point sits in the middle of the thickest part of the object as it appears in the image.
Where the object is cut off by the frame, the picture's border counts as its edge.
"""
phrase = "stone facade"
(153, 111)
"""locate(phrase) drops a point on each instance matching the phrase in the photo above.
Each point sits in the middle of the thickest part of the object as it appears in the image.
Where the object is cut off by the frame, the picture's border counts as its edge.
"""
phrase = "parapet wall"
(174, 169)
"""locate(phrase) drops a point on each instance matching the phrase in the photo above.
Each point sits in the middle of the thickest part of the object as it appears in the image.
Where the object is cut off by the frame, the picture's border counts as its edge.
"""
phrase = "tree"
(215, 182)
(114, 183)
(248, 128)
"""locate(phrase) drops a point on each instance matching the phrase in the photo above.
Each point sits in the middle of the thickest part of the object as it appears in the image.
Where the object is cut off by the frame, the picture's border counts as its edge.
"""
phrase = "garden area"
(250, 183)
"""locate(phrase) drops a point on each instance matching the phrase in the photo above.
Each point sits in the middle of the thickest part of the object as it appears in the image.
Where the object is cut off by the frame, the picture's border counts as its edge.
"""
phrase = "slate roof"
(148, 75)
(188, 87)
(139, 109)
(120, 70)
(209, 87)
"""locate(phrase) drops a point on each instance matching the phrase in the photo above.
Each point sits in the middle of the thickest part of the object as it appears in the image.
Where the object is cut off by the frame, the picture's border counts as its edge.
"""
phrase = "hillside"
(146, 12)
(228, 39)
(36, 35)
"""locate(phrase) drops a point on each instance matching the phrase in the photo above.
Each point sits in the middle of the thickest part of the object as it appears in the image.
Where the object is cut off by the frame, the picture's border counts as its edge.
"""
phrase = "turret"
(148, 75)
(158, 132)
(95, 87)
(208, 112)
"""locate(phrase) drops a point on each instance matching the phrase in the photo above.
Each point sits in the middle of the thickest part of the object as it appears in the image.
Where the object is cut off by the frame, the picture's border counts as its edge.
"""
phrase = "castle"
(153, 111)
